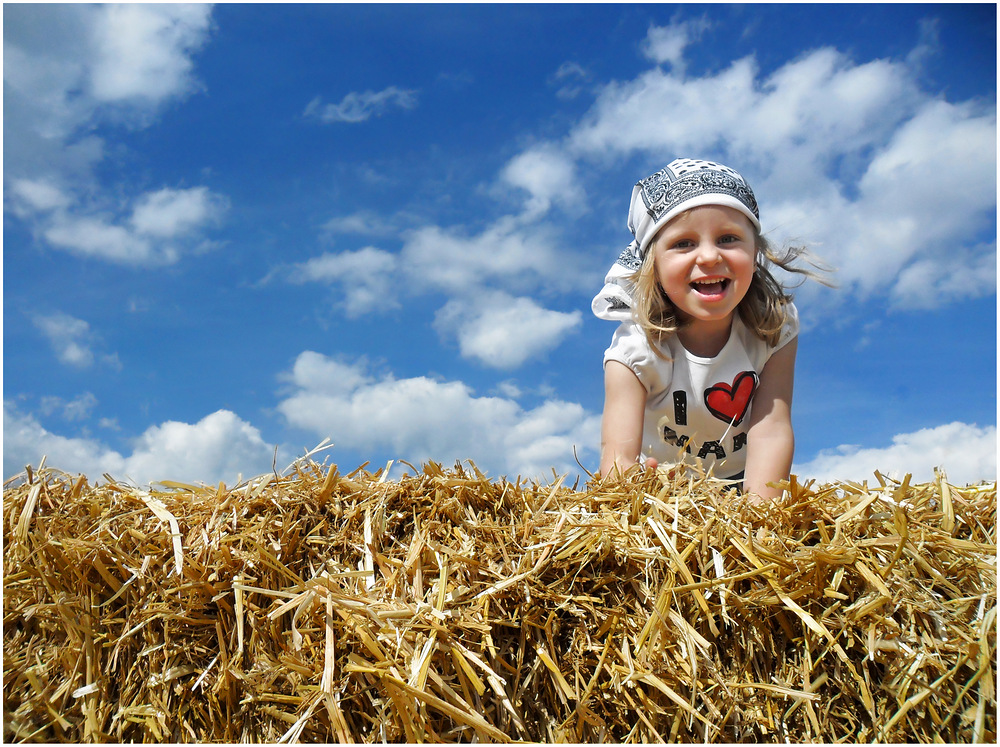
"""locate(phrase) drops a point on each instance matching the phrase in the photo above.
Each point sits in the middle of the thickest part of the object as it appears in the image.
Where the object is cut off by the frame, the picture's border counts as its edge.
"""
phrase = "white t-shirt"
(698, 409)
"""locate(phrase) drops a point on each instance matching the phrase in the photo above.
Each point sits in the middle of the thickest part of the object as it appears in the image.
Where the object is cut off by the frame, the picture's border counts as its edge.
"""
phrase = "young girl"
(705, 332)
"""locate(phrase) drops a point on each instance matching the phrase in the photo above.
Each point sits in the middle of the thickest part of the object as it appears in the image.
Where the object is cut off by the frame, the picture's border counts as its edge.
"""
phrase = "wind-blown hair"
(763, 308)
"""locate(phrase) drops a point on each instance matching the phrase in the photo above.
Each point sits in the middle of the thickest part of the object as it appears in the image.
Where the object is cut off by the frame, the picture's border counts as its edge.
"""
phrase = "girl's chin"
(701, 306)
(704, 317)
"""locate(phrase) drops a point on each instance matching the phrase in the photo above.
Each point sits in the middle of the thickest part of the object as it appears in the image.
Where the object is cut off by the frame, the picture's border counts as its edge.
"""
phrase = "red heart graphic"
(729, 403)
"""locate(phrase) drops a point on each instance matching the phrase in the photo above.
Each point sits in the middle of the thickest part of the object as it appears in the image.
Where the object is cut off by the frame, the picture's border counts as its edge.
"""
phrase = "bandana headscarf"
(684, 184)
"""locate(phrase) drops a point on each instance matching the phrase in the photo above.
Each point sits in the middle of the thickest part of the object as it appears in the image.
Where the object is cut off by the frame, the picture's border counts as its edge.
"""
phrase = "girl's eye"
(729, 239)
(682, 244)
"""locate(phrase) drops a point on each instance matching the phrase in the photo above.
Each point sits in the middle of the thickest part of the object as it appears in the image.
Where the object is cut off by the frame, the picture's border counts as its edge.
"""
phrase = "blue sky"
(239, 229)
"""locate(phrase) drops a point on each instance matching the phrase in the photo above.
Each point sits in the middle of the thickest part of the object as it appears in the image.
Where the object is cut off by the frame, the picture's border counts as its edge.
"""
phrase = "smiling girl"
(701, 367)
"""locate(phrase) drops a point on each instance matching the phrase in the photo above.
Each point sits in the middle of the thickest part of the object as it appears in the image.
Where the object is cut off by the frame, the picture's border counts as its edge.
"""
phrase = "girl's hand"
(622, 467)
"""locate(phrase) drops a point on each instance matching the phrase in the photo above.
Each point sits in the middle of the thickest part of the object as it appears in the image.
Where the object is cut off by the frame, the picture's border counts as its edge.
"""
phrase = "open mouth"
(712, 287)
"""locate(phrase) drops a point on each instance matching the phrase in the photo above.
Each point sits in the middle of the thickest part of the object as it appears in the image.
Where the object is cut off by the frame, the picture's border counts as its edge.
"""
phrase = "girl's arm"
(621, 426)
(770, 439)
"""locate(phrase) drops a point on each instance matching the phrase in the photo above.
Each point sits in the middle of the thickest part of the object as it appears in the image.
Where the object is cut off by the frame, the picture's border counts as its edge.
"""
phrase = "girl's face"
(704, 261)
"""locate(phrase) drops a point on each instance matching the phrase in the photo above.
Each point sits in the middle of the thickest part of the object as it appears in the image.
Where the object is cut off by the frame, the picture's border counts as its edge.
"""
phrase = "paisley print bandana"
(684, 184)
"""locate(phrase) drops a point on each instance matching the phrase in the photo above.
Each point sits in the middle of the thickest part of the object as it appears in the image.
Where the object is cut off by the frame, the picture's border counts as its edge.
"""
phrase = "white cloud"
(479, 272)
(313, 372)
(421, 419)
(364, 222)
(645, 114)
(965, 273)
(79, 408)
(364, 278)
(360, 107)
(549, 177)
(71, 339)
(143, 52)
(502, 331)
(509, 389)
(45, 56)
(570, 76)
(930, 191)
(790, 126)
(507, 253)
(96, 236)
(163, 225)
(65, 64)
(25, 442)
(175, 213)
(491, 325)
(666, 44)
(219, 447)
(967, 453)
(29, 196)
(69, 67)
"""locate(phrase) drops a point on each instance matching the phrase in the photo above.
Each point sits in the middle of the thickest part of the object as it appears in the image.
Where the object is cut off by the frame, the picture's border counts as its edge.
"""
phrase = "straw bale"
(444, 606)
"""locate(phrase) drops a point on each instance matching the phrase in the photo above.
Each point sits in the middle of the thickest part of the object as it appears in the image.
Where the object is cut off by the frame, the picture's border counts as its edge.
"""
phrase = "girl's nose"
(708, 253)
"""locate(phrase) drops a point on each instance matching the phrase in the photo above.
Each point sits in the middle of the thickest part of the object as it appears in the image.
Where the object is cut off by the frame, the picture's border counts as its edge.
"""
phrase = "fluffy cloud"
(502, 331)
(364, 222)
(360, 107)
(72, 340)
(67, 68)
(802, 116)
(481, 273)
(25, 442)
(364, 278)
(174, 213)
(478, 273)
(79, 408)
(507, 254)
(143, 53)
(570, 78)
(28, 196)
(548, 176)
(967, 453)
(69, 338)
(219, 447)
(922, 200)
(421, 419)
(666, 44)
(161, 226)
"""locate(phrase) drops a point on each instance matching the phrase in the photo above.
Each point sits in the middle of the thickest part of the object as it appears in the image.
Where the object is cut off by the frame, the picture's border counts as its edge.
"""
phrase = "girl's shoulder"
(790, 328)
(758, 348)
(631, 346)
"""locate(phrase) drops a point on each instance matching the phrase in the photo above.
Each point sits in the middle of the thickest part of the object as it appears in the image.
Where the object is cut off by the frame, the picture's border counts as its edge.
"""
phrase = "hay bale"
(445, 606)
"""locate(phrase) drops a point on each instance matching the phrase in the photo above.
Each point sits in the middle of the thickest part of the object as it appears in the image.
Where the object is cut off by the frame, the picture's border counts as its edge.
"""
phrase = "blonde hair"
(763, 308)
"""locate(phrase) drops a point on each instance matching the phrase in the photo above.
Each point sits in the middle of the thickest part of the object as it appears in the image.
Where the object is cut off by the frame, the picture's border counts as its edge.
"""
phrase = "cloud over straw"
(219, 447)
(420, 418)
(966, 452)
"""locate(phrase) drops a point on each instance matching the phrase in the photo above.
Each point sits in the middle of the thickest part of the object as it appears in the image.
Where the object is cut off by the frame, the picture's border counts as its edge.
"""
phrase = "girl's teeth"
(711, 288)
